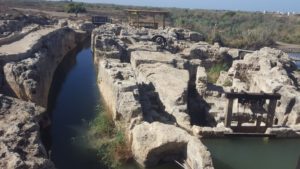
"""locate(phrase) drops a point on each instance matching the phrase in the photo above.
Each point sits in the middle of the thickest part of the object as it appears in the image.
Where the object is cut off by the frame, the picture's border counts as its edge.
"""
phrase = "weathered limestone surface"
(284, 132)
(18, 35)
(171, 88)
(201, 81)
(150, 57)
(119, 89)
(164, 142)
(32, 61)
(20, 145)
(146, 87)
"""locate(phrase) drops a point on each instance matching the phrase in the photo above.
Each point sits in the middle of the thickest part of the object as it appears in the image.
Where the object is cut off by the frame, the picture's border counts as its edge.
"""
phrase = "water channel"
(73, 102)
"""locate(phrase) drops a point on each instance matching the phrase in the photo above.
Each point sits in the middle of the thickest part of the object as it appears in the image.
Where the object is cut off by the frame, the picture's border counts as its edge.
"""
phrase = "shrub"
(214, 72)
(75, 8)
(109, 141)
(227, 83)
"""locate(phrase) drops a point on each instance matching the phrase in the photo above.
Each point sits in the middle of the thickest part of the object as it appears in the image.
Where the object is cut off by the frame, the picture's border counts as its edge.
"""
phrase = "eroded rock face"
(20, 145)
(30, 78)
(171, 88)
(155, 142)
(118, 86)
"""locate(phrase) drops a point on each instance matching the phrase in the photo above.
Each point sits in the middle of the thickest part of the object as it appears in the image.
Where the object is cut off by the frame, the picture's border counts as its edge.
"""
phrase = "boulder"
(157, 142)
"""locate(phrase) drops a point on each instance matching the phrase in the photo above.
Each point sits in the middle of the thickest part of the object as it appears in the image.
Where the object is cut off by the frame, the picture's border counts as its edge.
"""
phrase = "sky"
(243, 5)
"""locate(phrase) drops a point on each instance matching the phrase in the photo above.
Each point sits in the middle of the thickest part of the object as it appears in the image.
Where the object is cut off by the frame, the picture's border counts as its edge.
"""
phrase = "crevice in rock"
(152, 107)
(198, 107)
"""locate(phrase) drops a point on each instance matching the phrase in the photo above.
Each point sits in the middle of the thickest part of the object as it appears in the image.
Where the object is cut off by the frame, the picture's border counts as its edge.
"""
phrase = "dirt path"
(26, 43)
(290, 48)
(50, 13)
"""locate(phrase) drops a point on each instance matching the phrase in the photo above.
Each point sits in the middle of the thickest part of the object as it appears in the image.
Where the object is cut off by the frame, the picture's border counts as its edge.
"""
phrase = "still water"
(254, 153)
(297, 56)
(73, 102)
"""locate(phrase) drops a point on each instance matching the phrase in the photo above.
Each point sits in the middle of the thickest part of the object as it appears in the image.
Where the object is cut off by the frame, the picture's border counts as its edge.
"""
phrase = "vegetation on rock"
(214, 72)
(239, 29)
(108, 140)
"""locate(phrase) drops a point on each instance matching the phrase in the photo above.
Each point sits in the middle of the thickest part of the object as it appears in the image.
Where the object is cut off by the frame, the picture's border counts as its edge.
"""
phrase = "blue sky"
(245, 5)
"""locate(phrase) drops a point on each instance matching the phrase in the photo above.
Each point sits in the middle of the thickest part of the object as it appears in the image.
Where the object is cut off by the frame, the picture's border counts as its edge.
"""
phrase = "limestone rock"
(155, 142)
(20, 145)
(171, 88)
(148, 57)
(269, 70)
(198, 156)
(201, 81)
(119, 88)
(30, 78)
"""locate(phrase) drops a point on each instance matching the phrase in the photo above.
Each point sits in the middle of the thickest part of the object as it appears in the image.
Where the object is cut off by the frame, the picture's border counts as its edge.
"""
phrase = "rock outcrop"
(28, 59)
(20, 145)
(145, 84)
(29, 70)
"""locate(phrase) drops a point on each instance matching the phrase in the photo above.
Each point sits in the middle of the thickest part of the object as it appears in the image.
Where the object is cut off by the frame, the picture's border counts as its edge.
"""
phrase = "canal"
(74, 101)
(254, 153)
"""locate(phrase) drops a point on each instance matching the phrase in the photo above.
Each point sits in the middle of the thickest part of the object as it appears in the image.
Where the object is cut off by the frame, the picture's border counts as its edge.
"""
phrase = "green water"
(254, 153)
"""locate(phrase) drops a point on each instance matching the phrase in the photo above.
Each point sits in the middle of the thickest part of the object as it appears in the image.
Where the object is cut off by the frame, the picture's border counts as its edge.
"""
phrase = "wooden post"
(164, 24)
(258, 121)
(271, 112)
(138, 19)
(298, 165)
(228, 113)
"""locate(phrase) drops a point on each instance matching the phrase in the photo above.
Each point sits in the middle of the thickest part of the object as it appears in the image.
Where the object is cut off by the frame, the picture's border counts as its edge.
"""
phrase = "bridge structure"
(135, 18)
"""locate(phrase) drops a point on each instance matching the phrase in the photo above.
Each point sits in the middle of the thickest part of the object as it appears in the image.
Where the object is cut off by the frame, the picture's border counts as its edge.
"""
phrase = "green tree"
(75, 8)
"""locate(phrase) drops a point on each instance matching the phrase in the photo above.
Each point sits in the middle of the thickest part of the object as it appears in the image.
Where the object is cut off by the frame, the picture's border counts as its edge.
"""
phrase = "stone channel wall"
(29, 74)
(147, 96)
(27, 69)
